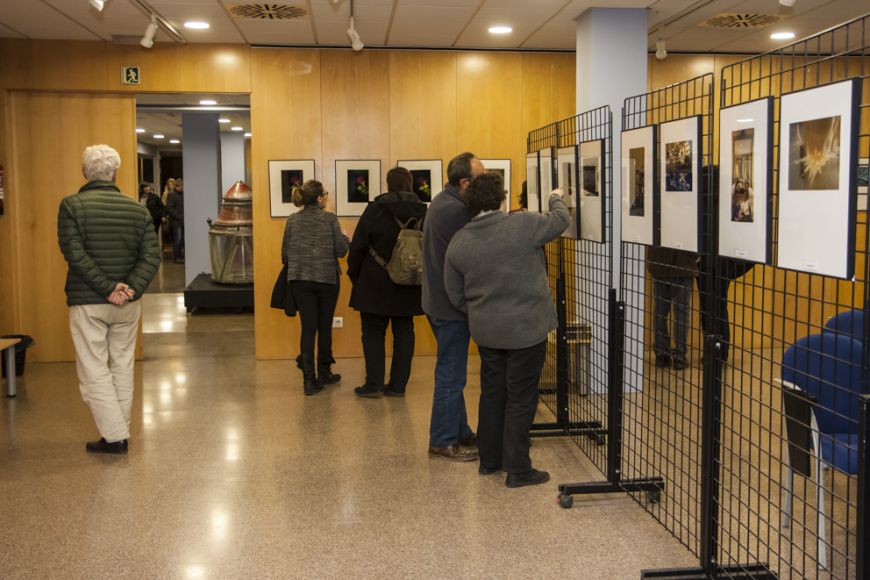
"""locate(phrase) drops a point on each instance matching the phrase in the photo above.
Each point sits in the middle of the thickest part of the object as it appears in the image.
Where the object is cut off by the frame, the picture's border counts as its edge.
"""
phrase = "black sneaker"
(325, 376)
(470, 441)
(680, 364)
(533, 477)
(483, 470)
(663, 360)
(103, 446)
(390, 392)
(368, 391)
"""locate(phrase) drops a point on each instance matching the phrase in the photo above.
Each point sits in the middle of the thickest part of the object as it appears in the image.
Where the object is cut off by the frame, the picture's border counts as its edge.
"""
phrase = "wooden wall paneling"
(286, 124)
(193, 68)
(53, 65)
(8, 241)
(48, 168)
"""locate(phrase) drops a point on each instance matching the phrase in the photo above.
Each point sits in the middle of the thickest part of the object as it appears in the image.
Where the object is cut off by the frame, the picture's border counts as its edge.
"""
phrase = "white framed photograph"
(545, 177)
(638, 185)
(591, 186)
(426, 177)
(679, 187)
(357, 183)
(818, 135)
(283, 177)
(745, 166)
(503, 168)
(566, 180)
(533, 201)
(861, 180)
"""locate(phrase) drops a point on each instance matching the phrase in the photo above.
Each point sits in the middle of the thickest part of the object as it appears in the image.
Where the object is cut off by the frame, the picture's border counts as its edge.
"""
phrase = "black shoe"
(325, 376)
(533, 477)
(103, 446)
(663, 360)
(299, 362)
(310, 385)
(488, 470)
(680, 364)
(390, 392)
(470, 441)
(368, 391)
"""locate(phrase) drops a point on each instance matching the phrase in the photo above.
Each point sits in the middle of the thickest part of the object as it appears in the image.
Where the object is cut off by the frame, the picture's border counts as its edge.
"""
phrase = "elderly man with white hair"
(111, 249)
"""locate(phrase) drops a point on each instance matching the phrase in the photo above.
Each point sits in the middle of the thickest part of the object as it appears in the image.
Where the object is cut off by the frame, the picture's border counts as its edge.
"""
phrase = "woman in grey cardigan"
(313, 243)
(495, 272)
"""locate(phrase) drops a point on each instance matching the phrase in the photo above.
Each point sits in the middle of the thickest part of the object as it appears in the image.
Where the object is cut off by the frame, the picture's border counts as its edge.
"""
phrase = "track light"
(661, 51)
(150, 32)
(98, 4)
(355, 41)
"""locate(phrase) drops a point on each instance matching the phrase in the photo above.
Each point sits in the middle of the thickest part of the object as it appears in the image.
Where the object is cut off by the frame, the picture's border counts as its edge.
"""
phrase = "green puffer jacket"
(106, 238)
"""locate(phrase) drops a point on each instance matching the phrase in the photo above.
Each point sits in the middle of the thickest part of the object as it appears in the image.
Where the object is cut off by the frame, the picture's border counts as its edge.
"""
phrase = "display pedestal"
(203, 292)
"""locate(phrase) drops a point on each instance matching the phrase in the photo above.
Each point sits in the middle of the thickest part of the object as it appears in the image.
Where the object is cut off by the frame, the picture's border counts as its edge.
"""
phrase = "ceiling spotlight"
(159, 136)
(223, 120)
(140, 130)
(787, 3)
(782, 36)
(500, 29)
(355, 41)
(237, 128)
(247, 134)
(208, 102)
(150, 32)
(174, 141)
(196, 25)
(661, 51)
(745, 120)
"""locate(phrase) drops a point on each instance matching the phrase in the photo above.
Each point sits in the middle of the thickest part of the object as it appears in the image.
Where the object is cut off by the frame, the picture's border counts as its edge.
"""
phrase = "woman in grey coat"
(313, 243)
(495, 272)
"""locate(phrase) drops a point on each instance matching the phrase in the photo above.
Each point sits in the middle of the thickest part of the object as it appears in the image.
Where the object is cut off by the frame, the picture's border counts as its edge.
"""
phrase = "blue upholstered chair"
(821, 379)
(847, 323)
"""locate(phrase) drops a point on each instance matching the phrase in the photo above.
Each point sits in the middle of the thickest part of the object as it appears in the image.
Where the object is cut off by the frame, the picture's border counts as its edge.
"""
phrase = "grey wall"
(232, 159)
(202, 188)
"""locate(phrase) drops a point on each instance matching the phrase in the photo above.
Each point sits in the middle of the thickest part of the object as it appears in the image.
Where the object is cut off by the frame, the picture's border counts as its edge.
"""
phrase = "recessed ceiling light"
(247, 134)
(782, 35)
(500, 29)
(208, 102)
(196, 25)
(140, 130)
(158, 136)
(222, 120)
(174, 141)
(745, 120)
(237, 128)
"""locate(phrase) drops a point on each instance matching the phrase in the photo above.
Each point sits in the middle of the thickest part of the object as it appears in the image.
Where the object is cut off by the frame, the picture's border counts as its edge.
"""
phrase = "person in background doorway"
(672, 272)
(109, 244)
(175, 211)
(379, 300)
(154, 205)
(313, 242)
(494, 266)
(450, 437)
(167, 189)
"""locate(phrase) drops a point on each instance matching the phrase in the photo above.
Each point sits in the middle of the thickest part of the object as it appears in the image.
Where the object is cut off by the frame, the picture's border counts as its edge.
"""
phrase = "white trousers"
(104, 336)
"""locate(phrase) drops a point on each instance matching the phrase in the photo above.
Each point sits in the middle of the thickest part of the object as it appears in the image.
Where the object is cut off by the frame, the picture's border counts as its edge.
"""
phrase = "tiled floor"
(233, 473)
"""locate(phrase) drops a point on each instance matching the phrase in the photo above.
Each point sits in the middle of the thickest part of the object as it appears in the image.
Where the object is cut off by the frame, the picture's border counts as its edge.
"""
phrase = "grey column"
(202, 188)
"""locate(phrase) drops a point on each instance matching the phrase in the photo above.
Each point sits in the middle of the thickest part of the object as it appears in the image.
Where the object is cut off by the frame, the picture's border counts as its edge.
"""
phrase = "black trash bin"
(20, 353)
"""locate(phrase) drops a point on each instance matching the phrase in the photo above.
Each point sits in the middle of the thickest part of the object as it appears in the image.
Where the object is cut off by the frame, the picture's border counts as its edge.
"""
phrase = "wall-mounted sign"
(129, 75)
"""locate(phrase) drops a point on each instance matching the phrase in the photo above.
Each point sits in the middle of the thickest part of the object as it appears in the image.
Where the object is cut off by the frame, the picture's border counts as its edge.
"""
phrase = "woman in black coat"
(379, 301)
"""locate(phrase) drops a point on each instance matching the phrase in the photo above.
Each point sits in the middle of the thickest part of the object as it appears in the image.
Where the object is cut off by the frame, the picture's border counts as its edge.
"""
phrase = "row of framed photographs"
(579, 171)
(358, 182)
(819, 181)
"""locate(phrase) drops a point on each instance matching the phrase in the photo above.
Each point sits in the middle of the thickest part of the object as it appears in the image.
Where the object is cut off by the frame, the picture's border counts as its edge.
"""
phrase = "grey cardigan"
(495, 271)
(312, 245)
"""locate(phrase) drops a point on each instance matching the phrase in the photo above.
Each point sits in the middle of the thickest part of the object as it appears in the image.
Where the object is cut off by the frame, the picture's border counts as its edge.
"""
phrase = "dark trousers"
(508, 402)
(668, 293)
(714, 309)
(316, 304)
(374, 332)
(177, 239)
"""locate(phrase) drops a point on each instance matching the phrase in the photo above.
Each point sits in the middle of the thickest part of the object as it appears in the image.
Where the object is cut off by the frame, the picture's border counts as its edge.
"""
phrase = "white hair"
(100, 162)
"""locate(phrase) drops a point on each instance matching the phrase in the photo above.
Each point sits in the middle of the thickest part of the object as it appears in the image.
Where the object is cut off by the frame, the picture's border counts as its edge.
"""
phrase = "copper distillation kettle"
(231, 238)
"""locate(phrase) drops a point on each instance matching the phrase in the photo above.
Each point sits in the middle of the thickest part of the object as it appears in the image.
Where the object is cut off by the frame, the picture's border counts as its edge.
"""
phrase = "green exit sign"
(129, 75)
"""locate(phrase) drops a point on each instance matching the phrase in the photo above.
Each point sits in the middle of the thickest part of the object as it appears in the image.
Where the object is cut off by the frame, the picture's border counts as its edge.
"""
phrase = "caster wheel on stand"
(566, 501)
(654, 496)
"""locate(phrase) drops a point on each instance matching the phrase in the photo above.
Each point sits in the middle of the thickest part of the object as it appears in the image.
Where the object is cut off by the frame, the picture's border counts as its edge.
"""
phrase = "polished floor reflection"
(233, 473)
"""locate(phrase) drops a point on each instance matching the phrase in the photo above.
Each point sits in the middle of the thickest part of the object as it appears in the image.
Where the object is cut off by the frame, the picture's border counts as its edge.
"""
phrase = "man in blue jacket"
(450, 437)
(109, 244)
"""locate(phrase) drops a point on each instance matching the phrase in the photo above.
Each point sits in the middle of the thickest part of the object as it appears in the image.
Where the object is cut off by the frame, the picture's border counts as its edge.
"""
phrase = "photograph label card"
(681, 160)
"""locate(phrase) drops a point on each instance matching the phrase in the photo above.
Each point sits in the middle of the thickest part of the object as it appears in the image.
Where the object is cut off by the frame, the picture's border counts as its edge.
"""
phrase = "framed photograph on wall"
(818, 136)
(503, 168)
(680, 180)
(566, 179)
(545, 177)
(283, 177)
(426, 177)
(533, 201)
(357, 183)
(745, 168)
(861, 180)
(639, 172)
(591, 175)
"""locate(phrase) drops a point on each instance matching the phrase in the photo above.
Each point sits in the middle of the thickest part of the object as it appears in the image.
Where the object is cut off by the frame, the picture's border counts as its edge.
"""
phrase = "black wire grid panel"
(575, 377)
(663, 401)
(783, 498)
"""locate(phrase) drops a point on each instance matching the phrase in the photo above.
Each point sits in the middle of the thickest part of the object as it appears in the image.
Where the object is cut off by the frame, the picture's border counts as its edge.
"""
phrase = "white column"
(232, 159)
(202, 188)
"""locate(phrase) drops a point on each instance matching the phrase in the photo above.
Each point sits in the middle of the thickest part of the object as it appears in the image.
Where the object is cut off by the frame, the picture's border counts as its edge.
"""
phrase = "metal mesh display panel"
(791, 347)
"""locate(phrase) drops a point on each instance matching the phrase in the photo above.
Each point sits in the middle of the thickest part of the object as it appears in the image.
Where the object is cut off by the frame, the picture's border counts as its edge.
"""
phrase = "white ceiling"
(537, 24)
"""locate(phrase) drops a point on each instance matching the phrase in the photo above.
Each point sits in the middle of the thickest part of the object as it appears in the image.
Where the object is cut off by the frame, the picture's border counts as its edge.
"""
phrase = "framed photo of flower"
(426, 177)
(356, 184)
(283, 177)
(503, 168)
(818, 138)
